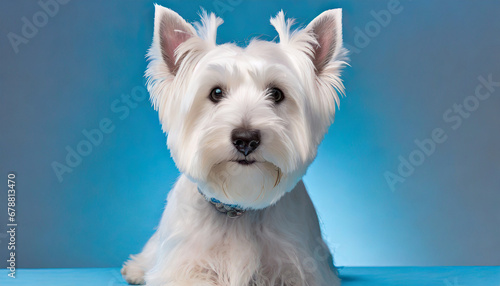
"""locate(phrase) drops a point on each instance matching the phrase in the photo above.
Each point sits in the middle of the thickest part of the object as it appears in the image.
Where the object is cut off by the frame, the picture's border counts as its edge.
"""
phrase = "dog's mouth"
(245, 162)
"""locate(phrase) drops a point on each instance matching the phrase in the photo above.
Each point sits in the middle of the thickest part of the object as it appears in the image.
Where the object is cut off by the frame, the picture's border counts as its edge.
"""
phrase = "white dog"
(243, 126)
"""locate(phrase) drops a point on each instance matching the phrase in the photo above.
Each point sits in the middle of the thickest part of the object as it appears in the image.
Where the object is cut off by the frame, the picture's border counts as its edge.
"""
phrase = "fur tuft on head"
(207, 27)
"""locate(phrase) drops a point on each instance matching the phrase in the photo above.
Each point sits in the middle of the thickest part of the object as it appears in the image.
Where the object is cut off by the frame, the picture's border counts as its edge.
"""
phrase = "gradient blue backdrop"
(72, 73)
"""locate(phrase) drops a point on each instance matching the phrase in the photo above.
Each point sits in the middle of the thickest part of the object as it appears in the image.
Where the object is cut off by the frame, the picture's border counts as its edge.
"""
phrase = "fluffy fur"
(278, 240)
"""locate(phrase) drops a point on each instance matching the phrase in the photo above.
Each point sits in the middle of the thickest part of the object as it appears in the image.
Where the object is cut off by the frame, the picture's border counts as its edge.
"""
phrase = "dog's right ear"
(177, 47)
(170, 31)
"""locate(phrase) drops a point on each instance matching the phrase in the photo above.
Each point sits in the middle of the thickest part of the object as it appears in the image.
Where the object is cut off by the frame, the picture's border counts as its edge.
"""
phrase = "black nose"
(245, 141)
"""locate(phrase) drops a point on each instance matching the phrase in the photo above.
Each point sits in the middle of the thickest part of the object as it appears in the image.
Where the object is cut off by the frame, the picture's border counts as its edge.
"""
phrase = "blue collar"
(232, 211)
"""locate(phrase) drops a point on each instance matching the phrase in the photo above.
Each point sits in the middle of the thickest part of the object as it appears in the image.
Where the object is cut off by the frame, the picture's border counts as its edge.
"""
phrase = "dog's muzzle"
(232, 211)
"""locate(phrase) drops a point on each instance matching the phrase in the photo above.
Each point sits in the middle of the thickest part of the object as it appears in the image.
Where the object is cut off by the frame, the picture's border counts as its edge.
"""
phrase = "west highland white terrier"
(243, 125)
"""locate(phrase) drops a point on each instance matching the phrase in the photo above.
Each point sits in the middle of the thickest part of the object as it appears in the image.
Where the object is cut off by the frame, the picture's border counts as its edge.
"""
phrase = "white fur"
(278, 240)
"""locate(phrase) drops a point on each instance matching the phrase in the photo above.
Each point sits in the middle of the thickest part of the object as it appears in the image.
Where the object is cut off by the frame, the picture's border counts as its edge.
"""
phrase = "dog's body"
(279, 245)
(244, 125)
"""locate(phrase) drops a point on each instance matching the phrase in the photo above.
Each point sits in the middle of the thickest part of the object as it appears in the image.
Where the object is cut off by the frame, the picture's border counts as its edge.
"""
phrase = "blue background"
(71, 73)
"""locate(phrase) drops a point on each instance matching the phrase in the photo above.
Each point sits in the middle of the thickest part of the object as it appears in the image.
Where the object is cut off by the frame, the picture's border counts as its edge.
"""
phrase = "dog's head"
(245, 123)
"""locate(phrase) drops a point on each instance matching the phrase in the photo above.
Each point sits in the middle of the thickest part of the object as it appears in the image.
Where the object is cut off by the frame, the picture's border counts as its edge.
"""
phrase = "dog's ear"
(327, 30)
(177, 47)
(170, 30)
(321, 40)
(319, 46)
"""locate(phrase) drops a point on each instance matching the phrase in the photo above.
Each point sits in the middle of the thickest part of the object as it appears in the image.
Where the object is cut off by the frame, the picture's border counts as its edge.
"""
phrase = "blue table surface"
(351, 276)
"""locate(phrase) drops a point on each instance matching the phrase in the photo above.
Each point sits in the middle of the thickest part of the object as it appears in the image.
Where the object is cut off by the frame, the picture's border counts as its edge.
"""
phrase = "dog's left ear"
(320, 45)
(327, 30)
(321, 40)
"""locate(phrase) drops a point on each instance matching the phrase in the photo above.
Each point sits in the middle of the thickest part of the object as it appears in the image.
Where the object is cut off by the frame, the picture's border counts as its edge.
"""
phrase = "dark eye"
(276, 94)
(216, 95)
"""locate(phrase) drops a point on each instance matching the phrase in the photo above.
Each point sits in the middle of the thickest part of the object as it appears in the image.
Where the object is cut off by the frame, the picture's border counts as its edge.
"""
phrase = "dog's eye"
(276, 94)
(216, 94)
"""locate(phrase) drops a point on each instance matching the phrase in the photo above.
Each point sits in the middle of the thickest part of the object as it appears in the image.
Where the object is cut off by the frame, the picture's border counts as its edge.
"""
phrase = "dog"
(243, 126)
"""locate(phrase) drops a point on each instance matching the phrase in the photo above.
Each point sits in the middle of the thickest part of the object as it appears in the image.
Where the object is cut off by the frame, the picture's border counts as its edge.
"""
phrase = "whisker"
(223, 190)
(278, 178)
(261, 192)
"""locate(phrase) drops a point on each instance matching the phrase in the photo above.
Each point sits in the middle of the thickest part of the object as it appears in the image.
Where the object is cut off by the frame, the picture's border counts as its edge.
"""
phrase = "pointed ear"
(321, 44)
(170, 31)
(327, 30)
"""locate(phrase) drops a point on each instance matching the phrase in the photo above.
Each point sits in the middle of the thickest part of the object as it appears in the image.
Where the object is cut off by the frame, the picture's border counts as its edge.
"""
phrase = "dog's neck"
(232, 211)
